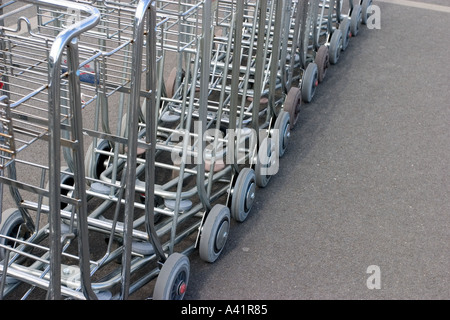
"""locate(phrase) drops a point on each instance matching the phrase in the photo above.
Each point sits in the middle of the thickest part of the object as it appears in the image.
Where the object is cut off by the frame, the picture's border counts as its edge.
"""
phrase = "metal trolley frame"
(160, 118)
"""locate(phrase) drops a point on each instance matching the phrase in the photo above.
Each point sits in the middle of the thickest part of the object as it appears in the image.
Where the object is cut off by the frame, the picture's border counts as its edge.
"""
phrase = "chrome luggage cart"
(302, 71)
(106, 63)
(207, 97)
(161, 119)
(357, 13)
(186, 191)
(33, 247)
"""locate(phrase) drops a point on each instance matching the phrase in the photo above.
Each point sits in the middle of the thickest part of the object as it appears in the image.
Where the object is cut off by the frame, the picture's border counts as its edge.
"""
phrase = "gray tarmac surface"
(365, 181)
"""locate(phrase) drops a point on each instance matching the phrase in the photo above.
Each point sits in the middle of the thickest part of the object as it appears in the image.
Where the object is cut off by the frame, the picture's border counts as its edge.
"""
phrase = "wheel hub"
(250, 197)
(182, 288)
(222, 235)
(179, 286)
(286, 135)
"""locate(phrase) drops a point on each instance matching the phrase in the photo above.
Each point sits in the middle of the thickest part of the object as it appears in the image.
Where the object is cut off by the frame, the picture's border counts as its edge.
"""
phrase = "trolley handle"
(112, 4)
(65, 36)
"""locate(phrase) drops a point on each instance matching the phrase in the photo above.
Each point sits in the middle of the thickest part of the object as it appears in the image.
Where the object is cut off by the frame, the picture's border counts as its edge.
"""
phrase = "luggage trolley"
(32, 117)
(321, 35)
(121, 165)
(300, 75)
(336, 27)
(255, 92)
(365, 6)
(348, 23)
(357, 14)
(332, 29)
(268, 53)
(327, 39)
(209, 87)
(183, 203)
(126, 58)
(310, 79)
(303, 70)
(206, 91)
(121, 33)
(214, 92)
(191, 180)
(327, 32)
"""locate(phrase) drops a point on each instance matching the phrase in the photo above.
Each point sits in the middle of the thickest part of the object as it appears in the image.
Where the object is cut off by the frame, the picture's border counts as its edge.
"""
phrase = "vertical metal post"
(130, 169)
(234, 94)
(260, 59)
(78, 159)
(203, 101)
(274, 64)
(54, 151)
(151, 118)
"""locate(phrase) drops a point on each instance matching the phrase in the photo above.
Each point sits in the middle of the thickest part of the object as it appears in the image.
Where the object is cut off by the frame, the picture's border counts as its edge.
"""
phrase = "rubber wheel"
(67, 180)
(355, 20)
(365, 8)
(335, 48)
(173, 278)
(215, 233)
(323, 61)
(11, 221)
(310, 82)
(283, 125)
(171, 82)
(95, 162)
(292, 105)
(346, 33)
(243, 194)
(264, 162)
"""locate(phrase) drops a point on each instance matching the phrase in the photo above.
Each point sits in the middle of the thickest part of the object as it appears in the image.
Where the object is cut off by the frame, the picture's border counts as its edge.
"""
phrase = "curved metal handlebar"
(65, 36)
(65, 39)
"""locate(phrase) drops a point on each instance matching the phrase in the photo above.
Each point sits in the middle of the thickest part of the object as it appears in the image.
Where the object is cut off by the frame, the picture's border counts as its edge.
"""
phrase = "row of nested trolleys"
(133, 132)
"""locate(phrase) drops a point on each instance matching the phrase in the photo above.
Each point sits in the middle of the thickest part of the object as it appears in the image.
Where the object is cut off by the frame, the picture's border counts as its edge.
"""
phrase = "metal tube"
(133, 118)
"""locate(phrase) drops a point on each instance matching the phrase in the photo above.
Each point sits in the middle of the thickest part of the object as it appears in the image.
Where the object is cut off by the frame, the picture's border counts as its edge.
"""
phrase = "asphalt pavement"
(360, 208)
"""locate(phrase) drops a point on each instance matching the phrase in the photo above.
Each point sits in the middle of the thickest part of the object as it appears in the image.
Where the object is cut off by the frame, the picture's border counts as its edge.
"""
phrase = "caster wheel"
(283, 126)
(123, 148)
(355, 20)
(123, 133)
(323, 61)
(95, 162)
(10, 225)
(214, 233)
(335, 48)
(243, 194)
(173, 278)
(66, 180)
(266, 163)
(171, 82)
(310, 82)
(365, 8)
(346, 33)
(292, 105)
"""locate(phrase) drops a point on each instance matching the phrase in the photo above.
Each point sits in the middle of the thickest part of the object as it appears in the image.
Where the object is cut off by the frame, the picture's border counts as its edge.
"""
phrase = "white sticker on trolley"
(74, 16)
